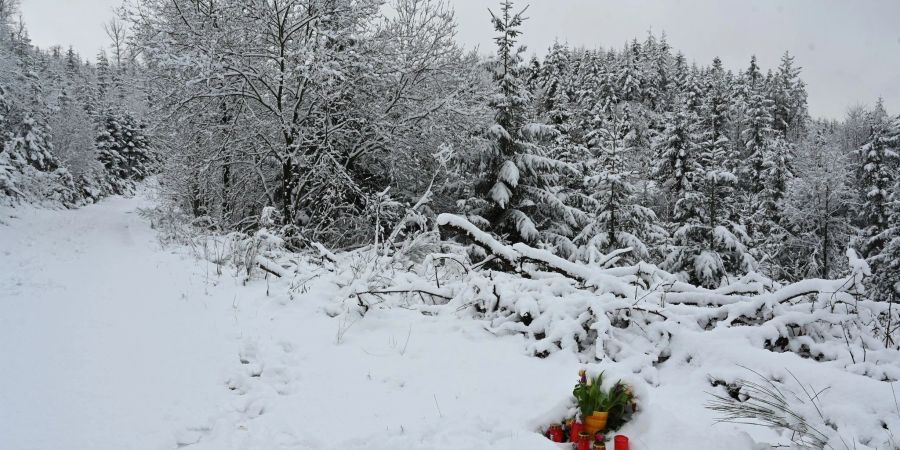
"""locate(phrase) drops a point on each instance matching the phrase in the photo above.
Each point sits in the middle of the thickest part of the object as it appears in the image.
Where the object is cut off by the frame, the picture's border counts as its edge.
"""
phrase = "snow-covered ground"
(109, 340)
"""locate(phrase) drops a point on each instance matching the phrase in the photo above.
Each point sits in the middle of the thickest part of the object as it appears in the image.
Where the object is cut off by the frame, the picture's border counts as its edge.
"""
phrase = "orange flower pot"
(596, 422)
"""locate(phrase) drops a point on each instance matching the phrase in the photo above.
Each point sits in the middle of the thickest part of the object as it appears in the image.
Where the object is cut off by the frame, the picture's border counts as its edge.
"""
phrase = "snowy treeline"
(67, 131)
(339, 114)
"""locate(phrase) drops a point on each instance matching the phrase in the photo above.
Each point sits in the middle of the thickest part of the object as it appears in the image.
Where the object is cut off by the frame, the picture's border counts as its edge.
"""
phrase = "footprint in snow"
(248, 353)
(190, 436)
(254, 408)
(239, 384)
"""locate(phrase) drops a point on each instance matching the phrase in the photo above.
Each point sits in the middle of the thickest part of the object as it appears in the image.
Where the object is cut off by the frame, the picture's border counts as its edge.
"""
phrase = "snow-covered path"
(110, 341)
(106, 341)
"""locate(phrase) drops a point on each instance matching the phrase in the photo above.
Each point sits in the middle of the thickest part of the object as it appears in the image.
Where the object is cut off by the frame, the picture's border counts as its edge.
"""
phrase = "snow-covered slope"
(110, 341)
(107, 341)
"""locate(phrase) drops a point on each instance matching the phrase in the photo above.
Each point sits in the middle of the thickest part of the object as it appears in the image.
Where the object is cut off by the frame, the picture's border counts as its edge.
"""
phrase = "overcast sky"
(849, 49)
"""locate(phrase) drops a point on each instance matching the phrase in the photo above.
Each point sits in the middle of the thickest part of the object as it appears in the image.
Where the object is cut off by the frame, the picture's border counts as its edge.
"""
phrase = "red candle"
(555, 433)
(576, 429)
(621, 442)
(584, 441)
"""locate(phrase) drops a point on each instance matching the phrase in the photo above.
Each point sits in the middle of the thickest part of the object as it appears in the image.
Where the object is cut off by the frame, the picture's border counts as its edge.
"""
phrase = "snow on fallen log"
(480, 237)
(630, 313)
(324, 252)
(617, 284)
(272, 267)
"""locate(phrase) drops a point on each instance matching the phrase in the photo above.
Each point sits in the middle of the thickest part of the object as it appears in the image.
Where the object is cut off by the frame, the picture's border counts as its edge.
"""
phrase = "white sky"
(849, 49)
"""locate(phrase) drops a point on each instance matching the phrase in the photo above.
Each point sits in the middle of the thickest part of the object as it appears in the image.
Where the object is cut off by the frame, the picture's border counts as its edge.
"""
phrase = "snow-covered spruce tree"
(629, 75)
(789, 100)
(879, 180)
(656, 67)
(103, 84)
(777, 171)
(886, 263)
(31, 142)
(757, 130)
(555, 77)
(618, 220)
(608, 96)
(557, 105)
(124, 149)
(679, 71)
(31, 170)
(876, 176)
(707, 244)
(589, 85)
(767, 165)
(694, 90)
(533, 76)
(519, 185)
(639, 125)
(674, 148)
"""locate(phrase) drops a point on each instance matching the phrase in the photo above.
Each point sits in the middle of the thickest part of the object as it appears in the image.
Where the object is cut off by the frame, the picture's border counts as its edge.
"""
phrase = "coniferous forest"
(337, 117)
(615, 202)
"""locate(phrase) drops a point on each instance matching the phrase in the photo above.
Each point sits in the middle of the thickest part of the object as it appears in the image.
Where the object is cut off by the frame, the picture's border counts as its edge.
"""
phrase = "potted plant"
(592, 401)
(601, 408)
(619, 405)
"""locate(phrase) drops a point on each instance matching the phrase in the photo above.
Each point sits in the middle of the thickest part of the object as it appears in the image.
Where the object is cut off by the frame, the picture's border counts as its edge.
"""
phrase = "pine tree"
(757, 129)
(124, 149)
(675, 147)
(619, 220)
(789, 99)
(556, 74)
(588, 89)
(707, 244)
(778, 170)
(629, 76)
(694, 91)
(638, 138)
(884, 247)
(5, 109)
(533, 76)
(104, 80)
(716, 159)
(519, 187)
(679, 73)
(876, 178)
(657, 73)
(31, 143)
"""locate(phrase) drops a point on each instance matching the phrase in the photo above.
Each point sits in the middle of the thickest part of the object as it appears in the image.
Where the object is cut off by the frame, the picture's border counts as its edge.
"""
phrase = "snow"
(500, 193)
(107, 341)
(111, 340)
(509, 174)
(479, 236)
